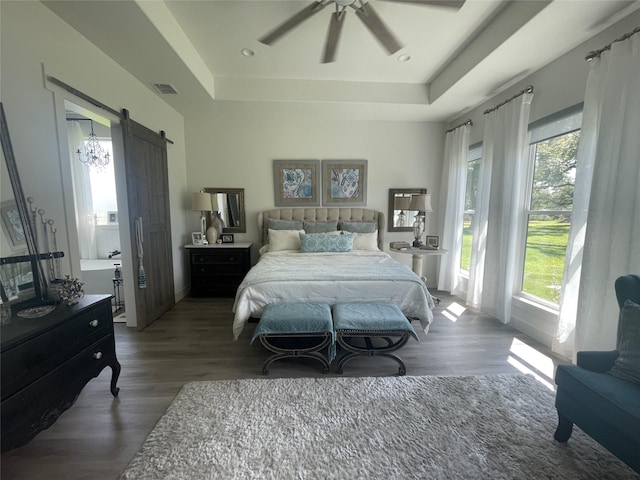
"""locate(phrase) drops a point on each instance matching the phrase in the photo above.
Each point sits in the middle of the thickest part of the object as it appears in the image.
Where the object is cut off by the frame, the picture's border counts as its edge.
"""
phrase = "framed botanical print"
(296, 183)
(344, 183)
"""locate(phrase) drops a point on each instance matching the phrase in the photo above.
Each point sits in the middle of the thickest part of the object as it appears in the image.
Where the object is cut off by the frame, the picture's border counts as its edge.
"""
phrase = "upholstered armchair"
(601, 394)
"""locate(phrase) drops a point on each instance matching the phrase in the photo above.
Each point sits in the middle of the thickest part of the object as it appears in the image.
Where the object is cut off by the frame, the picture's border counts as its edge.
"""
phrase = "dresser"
(47, 361)
(217, 270)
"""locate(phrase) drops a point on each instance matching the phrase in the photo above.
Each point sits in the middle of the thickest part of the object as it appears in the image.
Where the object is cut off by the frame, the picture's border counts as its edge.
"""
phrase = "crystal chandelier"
(93, 155)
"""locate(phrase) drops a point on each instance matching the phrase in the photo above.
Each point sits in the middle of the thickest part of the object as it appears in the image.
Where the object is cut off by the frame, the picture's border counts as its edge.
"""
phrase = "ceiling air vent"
(164, 88)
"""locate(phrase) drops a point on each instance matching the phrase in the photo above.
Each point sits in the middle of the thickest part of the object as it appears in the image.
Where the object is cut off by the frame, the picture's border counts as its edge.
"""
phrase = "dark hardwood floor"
(97, 437)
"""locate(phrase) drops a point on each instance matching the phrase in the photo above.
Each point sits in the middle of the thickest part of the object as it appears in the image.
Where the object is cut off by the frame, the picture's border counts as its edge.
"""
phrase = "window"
(473, 170)
(551, 179)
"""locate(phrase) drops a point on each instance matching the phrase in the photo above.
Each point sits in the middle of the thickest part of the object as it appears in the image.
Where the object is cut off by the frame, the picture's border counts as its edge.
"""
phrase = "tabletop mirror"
(400, 217)
(230, 204)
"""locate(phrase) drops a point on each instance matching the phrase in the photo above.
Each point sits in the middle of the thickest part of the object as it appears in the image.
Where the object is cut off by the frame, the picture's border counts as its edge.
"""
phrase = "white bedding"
(357, 276)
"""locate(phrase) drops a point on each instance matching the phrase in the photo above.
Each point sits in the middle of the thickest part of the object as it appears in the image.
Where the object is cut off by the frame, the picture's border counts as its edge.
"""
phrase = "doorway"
(95, 200)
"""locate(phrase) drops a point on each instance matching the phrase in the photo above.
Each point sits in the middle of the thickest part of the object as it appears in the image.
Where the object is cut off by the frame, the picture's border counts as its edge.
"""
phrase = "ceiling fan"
(363, 10)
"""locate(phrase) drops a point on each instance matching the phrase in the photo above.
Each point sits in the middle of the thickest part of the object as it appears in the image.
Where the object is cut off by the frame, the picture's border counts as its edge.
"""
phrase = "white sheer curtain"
(82, 194)
(453, 186)
(498, 208)
(604, 241)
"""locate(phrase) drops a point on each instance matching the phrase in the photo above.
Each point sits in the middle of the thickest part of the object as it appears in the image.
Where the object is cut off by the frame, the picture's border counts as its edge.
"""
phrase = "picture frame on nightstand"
(227, 238)
(197, 239)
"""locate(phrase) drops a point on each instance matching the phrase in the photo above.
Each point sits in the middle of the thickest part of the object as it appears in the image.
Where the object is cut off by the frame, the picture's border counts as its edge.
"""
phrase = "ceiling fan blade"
(376, 26)
(453, 4)
(292, 22)
(333, 36)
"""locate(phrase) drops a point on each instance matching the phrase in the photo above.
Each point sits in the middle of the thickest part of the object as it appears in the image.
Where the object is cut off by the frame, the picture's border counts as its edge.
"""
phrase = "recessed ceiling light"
(404, 58)
(247, 52)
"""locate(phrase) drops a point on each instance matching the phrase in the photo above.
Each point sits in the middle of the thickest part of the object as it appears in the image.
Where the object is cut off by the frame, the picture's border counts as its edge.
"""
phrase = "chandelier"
(93, 154)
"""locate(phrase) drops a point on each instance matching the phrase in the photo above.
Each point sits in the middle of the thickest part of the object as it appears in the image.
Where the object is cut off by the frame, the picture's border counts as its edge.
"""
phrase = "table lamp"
(201, 201)
(421, 204)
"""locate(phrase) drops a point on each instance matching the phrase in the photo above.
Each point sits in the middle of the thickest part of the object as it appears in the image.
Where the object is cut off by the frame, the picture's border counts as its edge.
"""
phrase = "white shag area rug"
(476, 427)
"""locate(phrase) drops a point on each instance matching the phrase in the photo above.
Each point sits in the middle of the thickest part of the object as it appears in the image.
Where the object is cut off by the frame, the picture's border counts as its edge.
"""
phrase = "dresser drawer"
(217, 258)
(29, 361)
(38, 405)
(222, 269)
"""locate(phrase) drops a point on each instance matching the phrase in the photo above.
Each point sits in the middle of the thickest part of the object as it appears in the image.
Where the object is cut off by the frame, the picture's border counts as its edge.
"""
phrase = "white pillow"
(284, 240)
(365, 241)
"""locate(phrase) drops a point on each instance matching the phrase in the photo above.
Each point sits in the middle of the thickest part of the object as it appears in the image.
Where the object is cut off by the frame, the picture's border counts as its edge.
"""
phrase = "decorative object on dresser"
(47, 361)
(344, 183)
(421, 203)
(217, 270)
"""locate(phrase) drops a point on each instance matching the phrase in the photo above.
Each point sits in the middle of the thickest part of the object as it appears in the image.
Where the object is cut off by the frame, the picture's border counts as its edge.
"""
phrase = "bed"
(308, 271)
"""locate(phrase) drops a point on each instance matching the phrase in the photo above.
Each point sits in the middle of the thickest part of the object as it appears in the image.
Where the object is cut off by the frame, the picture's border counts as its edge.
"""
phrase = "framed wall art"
(296, 183)
(344, 183)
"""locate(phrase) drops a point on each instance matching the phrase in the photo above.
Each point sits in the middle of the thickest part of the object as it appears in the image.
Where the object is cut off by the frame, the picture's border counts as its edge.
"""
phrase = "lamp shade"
(401, 203)
(421, 202)
(201, 201)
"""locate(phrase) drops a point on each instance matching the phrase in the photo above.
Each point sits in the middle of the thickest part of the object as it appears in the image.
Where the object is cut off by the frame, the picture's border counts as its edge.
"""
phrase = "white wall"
(34, 39)
(233, 145)
(559, 85)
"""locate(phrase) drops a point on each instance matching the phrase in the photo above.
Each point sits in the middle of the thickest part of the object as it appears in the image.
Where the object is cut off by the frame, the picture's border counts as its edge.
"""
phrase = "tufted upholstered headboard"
(320, 215)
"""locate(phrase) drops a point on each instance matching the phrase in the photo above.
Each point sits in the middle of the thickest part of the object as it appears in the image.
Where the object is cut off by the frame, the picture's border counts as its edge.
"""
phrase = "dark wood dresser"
(47, 361)
(217, 270)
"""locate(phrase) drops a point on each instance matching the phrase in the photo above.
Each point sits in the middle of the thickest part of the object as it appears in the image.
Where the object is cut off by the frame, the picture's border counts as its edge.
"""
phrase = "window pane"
(473, 170)
(548, 233)
(555, 172)
(467, 238)
(547, 239)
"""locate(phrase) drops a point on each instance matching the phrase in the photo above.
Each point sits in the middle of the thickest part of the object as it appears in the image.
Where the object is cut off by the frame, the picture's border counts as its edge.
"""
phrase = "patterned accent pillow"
(358, 227)
(325, 242)
(275, 224)
(627, 365)
(284, 240)
(365, 241)
(320, 227)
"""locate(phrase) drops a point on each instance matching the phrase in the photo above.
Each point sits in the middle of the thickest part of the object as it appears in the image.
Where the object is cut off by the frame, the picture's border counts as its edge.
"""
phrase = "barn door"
(149, 220)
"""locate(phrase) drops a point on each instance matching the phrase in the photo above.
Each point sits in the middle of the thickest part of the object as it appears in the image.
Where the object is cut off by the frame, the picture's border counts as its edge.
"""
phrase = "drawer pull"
(94, 323)
(97, 355)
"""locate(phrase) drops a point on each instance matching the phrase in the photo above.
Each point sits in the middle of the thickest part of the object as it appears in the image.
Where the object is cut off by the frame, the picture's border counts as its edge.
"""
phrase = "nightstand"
(217, 270)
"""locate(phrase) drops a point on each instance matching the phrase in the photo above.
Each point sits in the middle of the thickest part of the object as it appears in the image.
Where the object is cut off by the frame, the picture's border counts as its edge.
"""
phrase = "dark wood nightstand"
(217, 270)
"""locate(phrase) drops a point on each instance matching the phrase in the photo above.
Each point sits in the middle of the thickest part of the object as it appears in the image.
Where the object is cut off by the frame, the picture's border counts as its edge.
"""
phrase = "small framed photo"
(196, 238)
(112, 218)
(227, 238)
(432, 242)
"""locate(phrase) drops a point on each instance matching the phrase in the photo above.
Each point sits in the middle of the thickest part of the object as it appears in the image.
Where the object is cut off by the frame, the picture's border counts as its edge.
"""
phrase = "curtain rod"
(528, 89)
(87, 98)
(596, 53)
(468, 122)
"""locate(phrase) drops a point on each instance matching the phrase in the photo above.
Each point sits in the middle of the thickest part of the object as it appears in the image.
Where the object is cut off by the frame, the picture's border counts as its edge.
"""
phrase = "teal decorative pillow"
(275, 224)
(325, 242)
(320, 227)
(627, 365)
(358, 227)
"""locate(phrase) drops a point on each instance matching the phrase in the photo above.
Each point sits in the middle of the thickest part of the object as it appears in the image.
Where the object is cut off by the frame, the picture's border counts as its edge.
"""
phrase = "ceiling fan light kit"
(364, 11)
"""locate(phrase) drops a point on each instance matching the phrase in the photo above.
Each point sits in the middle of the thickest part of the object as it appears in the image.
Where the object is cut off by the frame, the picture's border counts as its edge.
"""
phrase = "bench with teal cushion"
(371, 329)
(296, 330)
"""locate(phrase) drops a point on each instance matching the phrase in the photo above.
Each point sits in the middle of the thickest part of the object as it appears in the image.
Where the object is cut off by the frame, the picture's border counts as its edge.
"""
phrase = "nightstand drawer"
(217, 269)
(222, 258)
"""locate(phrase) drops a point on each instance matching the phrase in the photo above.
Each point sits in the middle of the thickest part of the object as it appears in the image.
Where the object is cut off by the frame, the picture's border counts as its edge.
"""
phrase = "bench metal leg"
(306, 352)
(344, 339)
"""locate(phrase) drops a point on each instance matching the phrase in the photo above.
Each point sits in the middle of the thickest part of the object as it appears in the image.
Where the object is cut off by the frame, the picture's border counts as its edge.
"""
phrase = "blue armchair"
(604, 406)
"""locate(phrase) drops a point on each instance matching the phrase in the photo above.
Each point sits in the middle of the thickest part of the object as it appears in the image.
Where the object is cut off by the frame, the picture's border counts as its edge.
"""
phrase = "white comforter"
(358, 276)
